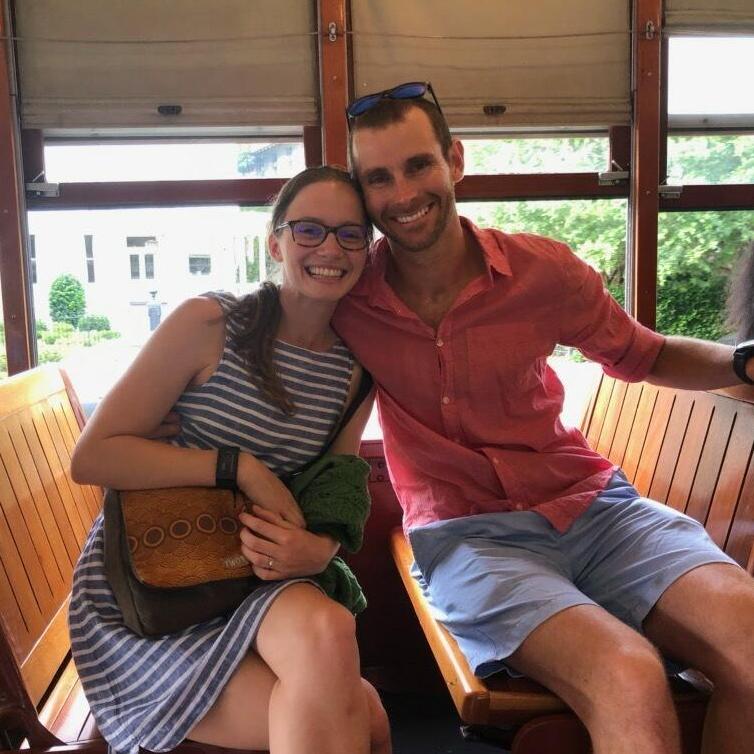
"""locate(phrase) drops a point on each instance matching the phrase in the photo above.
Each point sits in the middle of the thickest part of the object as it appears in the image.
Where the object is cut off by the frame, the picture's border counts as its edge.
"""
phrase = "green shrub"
(94, 322)
(62, 330)
(110, 334)
(41, 326)
(3, 363)
(67, 302)
(49, 338)
(49, 355)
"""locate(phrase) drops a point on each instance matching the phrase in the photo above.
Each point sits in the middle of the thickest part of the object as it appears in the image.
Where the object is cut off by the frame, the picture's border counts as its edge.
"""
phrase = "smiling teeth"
(415, 216)
(328, 272)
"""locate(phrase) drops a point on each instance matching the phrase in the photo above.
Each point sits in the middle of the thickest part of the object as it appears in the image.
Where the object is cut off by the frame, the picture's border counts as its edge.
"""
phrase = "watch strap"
(226, 470)
(744, 351)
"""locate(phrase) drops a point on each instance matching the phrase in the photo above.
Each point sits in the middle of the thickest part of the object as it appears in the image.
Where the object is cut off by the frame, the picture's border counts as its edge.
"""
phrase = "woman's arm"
(115, 449)
(297, 552)
(348, 438)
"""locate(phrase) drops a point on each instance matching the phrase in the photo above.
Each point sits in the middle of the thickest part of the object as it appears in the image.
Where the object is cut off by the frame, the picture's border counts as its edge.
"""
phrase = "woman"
(265, 373)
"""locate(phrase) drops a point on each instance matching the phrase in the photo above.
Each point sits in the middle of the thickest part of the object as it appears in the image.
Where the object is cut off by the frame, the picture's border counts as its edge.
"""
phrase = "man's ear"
(274, 247)
(456, 160)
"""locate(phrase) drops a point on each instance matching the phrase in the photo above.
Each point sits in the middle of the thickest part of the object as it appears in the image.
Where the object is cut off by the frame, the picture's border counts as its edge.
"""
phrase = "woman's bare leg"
(314, 702)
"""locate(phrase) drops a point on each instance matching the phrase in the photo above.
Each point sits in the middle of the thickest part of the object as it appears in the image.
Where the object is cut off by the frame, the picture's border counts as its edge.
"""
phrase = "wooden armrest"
(498, 700)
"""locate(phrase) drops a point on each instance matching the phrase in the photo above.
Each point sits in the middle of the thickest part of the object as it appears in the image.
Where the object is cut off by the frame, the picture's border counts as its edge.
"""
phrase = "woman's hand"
(277, 549)
(264, 489)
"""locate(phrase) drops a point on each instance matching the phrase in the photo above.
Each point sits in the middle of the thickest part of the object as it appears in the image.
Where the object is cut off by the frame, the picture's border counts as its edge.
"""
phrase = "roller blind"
(95, 64)
(549, 63)
(710, 16)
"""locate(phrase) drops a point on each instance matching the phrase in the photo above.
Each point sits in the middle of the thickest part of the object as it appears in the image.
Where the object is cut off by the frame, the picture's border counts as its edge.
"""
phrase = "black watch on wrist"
(226, 470)
(744, 351)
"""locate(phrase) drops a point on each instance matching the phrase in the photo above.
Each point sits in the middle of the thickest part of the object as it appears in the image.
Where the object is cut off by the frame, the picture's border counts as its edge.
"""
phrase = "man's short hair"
(388, 111)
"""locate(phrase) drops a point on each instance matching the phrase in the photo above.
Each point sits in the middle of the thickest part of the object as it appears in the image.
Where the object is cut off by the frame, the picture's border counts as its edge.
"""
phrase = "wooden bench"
(44, 519)
(690, 450)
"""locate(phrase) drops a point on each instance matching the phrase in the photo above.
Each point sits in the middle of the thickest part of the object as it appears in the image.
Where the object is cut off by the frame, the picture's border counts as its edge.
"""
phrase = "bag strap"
(365, 385)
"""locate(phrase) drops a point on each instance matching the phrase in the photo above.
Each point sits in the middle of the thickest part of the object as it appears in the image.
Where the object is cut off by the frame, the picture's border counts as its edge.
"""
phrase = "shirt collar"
(373, 286)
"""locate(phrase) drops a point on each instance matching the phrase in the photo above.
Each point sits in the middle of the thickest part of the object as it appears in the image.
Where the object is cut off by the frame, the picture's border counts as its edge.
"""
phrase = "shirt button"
(439, 342)
(496, 461)
(519, 507)
(445, 399)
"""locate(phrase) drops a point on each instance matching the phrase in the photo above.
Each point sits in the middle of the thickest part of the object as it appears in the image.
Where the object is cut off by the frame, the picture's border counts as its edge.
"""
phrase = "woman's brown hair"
(258, 314)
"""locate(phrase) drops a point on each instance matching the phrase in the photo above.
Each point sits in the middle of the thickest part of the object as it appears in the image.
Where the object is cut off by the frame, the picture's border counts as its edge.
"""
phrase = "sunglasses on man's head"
(410, 90)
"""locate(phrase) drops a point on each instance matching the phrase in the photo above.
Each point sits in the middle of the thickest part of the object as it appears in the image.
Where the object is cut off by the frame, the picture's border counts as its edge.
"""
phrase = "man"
(532, 549)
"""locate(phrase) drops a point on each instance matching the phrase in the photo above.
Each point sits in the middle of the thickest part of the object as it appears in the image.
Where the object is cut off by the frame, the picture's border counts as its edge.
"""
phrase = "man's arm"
(694, 364)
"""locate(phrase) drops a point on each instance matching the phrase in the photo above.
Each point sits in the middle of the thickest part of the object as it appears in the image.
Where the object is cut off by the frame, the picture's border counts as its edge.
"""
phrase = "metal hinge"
(612, 177)
(42, 189)
(332, 31)
(670, 192)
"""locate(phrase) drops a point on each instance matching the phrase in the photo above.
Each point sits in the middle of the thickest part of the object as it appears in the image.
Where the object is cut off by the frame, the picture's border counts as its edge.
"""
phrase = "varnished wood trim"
(19, 345)
(333, 78)
(644, 202)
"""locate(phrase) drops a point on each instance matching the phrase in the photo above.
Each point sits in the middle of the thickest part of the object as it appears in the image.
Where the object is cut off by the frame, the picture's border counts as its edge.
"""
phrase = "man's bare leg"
(611, 677)
(706, 619)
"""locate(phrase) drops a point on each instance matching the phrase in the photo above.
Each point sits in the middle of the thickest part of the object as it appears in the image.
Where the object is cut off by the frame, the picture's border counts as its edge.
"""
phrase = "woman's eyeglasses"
(349, 236)
(410, 90)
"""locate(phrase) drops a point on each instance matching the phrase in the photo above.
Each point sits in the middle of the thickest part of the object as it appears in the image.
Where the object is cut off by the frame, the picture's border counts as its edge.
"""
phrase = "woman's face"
(327, 271)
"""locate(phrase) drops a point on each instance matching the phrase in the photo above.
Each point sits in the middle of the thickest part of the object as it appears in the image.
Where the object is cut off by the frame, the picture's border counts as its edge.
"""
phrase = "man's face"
(407, 181)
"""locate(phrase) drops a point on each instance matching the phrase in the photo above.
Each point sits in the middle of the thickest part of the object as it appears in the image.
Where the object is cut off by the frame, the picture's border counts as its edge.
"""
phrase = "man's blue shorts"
(491, 579)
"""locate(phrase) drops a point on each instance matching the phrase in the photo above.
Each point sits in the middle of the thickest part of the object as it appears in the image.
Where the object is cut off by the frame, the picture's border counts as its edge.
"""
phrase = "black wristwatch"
(226, 470)
(744, 351)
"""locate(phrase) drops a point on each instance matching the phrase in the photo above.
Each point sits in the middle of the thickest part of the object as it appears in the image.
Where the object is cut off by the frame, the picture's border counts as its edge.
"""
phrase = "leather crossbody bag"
(173, 556)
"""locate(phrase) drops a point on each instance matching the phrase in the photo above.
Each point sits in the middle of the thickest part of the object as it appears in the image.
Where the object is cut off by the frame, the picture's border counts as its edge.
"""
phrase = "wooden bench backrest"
(44, 520)
(690, 450)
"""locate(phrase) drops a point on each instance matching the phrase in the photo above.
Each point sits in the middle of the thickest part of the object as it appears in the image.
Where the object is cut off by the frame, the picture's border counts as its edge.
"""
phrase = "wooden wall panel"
(674, 436)
(710, 461)
(730, 481)
(639, 431)
(600, 408)
(612, 417)
(688, 458)
(650, 453)
(626, 424)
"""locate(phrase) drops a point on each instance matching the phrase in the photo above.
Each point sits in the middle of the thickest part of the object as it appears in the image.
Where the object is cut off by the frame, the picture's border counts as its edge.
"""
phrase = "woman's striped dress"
(151, 692)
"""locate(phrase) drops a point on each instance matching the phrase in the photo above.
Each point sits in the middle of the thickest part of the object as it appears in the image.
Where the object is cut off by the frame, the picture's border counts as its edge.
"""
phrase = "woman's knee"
(327, 636)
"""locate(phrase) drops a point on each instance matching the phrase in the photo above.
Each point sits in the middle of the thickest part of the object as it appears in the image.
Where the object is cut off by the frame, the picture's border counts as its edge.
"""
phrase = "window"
(696, 252)
(67, 162)
(200, 264)
(705, 88)
(135, 269)
(89, 258)
(149, 248)
(524, 154)
(33, 258)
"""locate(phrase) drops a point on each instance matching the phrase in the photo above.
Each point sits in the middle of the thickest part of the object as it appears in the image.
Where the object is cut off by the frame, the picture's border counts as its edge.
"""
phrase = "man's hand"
(279, 550)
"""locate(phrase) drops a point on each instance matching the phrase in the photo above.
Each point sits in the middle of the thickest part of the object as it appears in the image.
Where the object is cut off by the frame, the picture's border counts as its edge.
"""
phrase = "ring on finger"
(270, 563)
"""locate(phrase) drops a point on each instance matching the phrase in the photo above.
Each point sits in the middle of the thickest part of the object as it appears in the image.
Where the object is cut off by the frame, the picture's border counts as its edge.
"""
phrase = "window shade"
(554, 63)
(94, 64)
(710, 16)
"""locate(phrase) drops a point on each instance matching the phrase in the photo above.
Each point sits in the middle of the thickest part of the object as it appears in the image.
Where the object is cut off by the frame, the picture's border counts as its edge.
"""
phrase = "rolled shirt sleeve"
(597, 325)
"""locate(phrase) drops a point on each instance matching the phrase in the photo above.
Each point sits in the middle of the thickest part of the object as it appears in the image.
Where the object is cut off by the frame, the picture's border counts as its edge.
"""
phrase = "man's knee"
(630, 678)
